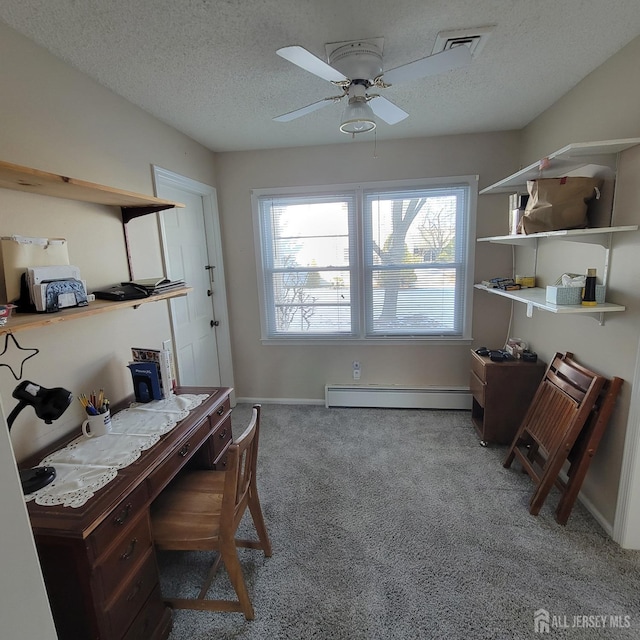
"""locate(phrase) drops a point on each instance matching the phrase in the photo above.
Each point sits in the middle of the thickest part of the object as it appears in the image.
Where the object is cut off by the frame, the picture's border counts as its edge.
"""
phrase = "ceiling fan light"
(357, 117)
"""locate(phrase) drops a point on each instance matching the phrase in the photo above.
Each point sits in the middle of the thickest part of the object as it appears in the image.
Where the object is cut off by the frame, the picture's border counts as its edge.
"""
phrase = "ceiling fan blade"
(303, 111)
(429, 66)
(386, 110)
(311, 63)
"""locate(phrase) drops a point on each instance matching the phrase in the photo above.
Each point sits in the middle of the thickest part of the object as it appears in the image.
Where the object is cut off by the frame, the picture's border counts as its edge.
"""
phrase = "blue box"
(146, 381)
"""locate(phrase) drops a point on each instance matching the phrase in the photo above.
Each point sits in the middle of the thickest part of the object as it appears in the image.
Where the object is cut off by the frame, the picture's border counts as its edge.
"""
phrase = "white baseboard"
(397, 397)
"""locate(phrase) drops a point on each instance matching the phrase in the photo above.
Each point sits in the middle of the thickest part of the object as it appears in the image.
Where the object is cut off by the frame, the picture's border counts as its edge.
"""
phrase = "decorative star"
(17, 345)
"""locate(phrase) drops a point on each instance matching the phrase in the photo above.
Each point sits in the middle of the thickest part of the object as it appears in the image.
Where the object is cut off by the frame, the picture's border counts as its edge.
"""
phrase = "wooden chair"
(201, 510)
(561, 407)
(585, 448)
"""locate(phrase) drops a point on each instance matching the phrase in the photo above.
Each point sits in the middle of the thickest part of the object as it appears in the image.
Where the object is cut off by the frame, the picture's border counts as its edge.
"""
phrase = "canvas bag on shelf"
(20, 252)
(558, 203)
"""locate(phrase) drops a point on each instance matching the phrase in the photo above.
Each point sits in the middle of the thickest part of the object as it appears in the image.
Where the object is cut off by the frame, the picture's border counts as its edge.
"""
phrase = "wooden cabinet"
(502, 392)
(98, 560)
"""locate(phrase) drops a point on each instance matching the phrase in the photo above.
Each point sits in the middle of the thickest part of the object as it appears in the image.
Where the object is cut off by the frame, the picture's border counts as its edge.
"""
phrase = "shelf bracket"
(128, 214)
(529, 310)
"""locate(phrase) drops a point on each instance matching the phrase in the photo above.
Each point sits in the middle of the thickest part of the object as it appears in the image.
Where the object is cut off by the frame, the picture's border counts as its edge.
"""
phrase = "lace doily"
(88, 464)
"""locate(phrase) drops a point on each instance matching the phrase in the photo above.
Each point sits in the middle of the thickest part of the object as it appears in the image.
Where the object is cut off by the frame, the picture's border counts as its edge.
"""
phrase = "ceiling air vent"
(474, 38)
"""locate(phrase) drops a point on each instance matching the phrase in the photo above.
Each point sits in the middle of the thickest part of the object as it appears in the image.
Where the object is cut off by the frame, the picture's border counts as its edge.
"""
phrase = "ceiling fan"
(356, 68)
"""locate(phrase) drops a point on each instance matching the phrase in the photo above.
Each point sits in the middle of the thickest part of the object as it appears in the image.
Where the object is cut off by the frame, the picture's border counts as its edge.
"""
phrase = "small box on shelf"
(564, 295)
(572, 295)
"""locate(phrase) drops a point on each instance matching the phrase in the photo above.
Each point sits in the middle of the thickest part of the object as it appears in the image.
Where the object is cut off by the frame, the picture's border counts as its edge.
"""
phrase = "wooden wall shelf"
(132, 205)
(13, 176)
(23, 321)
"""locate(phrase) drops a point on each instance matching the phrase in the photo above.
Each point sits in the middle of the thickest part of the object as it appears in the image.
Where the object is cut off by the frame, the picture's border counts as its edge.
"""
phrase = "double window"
(368, 262)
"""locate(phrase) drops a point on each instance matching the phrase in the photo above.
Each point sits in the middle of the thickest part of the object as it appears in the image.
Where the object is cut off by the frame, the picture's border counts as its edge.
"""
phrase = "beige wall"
(300, 372)
(56, 119)
(603, 106)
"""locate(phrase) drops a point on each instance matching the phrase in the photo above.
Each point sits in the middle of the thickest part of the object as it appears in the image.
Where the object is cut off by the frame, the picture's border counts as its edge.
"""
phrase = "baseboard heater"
(397, 397)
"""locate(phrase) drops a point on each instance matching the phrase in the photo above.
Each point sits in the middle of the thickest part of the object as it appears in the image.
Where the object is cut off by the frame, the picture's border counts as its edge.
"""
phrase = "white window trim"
(360, 187)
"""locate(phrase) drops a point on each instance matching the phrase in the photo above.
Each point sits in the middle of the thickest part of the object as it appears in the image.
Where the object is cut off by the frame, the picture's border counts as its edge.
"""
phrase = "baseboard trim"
(397, 397)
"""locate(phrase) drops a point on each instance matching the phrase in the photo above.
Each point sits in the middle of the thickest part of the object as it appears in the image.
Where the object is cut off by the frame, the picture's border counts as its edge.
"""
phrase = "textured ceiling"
(209, 67)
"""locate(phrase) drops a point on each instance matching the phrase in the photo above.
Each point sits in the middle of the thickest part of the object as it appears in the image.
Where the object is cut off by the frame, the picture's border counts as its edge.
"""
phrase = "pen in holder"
(98, 425)
(96, 406)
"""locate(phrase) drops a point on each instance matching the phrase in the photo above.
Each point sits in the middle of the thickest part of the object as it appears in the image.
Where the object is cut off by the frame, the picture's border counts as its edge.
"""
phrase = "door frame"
(209, 195)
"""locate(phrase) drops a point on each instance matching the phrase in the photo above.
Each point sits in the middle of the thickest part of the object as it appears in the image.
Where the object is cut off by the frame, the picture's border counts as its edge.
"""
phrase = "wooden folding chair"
(561, 407)
(585, 448)
(201, 511)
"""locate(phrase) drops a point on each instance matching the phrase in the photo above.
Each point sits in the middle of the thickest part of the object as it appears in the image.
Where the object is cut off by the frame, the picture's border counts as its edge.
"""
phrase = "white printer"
(56, 287)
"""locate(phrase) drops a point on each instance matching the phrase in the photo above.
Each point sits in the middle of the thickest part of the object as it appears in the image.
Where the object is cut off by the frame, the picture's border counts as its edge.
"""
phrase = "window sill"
(366, 342)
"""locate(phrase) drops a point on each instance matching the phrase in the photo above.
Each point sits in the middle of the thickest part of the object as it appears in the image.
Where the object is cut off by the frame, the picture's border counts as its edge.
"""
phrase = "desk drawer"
(129, 600)
(221, 438)
(477, 388)
(186, 448)
(122, 559)
(213, 451)
(149, 623)
(221, 463)
(118, 520)
(220, 412)
(478, 366)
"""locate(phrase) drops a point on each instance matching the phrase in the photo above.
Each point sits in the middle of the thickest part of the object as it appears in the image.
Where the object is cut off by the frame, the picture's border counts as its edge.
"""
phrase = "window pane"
(314, 232)
(424, 303)
(307, 257)
(415, 254)
(312, 302)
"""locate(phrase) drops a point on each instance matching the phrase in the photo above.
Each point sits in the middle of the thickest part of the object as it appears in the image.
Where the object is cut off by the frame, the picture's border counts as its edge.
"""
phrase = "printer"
(56, 287)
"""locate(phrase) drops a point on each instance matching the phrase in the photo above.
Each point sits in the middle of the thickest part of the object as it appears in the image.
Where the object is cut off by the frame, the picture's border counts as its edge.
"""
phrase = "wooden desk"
(98, 560)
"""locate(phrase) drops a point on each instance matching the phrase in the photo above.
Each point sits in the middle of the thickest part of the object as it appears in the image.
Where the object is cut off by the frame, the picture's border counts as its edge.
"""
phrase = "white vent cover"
(474, 38)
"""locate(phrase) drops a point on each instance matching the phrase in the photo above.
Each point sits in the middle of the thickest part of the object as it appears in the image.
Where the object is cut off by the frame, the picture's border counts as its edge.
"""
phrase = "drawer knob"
(185, 449)
(129, 552)
(123, 516)
(220, 411)
(136, 590)
(222, 434)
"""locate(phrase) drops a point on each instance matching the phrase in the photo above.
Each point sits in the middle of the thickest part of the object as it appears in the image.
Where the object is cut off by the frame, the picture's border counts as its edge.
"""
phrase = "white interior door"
(193, 252)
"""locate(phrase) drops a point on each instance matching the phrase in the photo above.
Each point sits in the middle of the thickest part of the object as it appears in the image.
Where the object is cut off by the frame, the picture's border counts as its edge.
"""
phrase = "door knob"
(215, 323)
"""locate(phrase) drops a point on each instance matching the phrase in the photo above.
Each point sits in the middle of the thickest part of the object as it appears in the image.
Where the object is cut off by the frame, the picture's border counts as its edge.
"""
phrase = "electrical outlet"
(356, 370)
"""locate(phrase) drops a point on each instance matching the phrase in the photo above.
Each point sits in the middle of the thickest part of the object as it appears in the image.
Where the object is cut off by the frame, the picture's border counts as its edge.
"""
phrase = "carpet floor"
(396, 524)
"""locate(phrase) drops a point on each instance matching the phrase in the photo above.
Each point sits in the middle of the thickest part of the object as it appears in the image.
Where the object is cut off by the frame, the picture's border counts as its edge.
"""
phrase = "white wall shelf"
(597, 235)
(569, 159)
(535, 297)
(564, 161)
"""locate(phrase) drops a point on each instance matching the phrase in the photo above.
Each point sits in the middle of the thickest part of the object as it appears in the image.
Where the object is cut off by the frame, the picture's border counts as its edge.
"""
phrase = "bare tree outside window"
(395, 252)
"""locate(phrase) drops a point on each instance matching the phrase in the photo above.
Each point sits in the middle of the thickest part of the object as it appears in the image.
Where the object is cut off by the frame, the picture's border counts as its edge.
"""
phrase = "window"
(369, 262)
